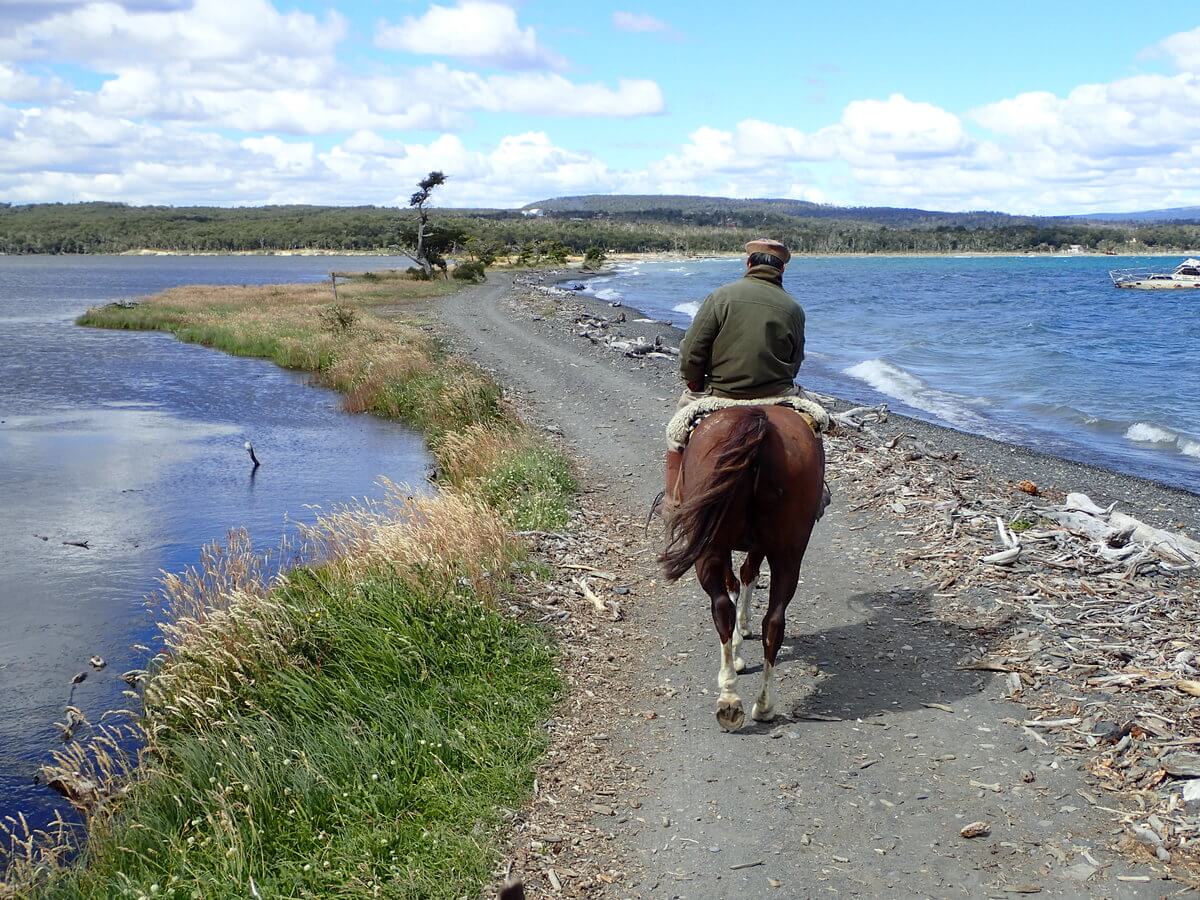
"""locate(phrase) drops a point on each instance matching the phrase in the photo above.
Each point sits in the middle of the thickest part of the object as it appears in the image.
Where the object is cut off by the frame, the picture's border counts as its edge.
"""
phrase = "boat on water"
(1185, 275)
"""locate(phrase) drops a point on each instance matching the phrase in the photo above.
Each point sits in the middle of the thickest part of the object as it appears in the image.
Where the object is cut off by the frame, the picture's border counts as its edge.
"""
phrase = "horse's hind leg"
(748, 578)
(711, 574)
(785, 575)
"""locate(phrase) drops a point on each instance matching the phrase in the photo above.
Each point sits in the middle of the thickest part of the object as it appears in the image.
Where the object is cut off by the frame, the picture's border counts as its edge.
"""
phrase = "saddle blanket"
(680, 428)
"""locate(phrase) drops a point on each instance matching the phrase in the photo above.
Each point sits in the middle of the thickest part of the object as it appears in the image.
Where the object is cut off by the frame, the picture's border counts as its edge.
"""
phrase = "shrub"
(338, 318)
(470, 270)
(594, 257)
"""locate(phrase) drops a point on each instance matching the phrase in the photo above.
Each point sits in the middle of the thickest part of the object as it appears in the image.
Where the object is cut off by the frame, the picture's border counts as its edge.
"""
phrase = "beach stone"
(1079, 872)
(1182, 764)
(1191, 794)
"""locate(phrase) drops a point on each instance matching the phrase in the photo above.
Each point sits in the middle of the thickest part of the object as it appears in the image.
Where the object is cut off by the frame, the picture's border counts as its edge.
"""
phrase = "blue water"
(133, 442)
(1038, 351)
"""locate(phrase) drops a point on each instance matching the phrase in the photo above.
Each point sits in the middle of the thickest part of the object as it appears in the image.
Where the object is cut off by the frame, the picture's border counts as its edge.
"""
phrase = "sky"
(1025, 107)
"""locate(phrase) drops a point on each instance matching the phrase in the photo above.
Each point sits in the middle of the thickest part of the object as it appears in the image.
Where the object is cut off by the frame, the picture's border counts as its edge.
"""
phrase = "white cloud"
(640, 23)
(19, 86)
(109, 37)
(482, 31)
(1184, 50)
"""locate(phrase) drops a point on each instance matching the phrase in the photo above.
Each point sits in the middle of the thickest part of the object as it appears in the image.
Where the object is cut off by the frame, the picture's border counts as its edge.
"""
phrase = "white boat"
(1186, 275)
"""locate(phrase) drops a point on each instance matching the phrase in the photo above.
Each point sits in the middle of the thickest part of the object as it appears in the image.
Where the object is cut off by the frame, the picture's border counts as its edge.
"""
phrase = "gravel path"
(886, 748)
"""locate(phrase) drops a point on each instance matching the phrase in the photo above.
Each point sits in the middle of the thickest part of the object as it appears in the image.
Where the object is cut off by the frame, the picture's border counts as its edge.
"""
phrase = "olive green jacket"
(747, 339)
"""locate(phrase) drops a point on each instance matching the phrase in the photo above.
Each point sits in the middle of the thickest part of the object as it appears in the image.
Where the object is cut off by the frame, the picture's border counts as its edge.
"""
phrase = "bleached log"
(1080, 523)
(1167, 544)
(1083, 503)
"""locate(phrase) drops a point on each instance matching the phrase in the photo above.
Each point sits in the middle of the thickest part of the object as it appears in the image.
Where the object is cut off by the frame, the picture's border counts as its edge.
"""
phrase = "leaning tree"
(418, 245)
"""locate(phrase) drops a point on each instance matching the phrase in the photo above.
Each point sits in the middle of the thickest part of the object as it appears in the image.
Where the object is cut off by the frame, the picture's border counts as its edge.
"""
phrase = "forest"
(616, 225)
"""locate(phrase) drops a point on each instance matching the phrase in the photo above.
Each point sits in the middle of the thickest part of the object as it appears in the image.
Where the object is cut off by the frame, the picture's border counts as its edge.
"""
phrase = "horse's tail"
(696, 521)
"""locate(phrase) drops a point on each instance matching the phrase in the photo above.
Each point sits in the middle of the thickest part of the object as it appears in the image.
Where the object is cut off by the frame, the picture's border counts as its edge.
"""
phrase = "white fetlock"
(739, 662)
(729, 705)
(764, 707)
(745, 598)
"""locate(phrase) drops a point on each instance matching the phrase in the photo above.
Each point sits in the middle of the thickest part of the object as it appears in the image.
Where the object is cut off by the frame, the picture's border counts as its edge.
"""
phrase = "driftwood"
(860, 416)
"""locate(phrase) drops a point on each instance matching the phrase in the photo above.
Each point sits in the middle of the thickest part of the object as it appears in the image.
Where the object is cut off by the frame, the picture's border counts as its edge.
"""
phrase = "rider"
(746, 342)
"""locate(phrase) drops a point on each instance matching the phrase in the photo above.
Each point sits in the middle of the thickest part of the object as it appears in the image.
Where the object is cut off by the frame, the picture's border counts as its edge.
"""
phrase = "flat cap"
(766, 245)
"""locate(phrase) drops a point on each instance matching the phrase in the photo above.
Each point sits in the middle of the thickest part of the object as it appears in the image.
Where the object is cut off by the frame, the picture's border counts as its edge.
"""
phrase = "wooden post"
(333, 281)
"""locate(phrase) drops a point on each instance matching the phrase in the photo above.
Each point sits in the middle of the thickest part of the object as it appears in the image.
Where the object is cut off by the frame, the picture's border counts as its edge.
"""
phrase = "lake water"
(132, 441)
(1039, 351)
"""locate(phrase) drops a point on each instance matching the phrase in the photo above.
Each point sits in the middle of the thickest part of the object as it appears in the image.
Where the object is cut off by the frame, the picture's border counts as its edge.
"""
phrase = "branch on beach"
(860, 416)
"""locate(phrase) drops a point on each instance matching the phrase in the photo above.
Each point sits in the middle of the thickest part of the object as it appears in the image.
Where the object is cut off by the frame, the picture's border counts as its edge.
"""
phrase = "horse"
(752, 479)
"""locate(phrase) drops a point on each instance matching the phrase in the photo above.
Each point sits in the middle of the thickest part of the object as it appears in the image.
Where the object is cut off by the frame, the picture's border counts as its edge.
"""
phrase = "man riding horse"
(746, 342)
(746, 465)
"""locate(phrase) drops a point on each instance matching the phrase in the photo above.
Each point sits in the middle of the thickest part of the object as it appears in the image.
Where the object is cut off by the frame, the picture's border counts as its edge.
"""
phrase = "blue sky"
(1022, 106)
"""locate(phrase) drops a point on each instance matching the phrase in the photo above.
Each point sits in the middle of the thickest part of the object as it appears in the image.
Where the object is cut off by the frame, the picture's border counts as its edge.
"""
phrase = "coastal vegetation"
(539, 233)
(359, 725)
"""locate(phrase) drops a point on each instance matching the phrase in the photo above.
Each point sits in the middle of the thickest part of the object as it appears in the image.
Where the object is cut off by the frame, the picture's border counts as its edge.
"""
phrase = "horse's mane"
(697, 520)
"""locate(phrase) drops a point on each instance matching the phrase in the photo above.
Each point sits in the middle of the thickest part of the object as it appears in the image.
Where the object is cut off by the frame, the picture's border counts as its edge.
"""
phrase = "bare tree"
(420, 202)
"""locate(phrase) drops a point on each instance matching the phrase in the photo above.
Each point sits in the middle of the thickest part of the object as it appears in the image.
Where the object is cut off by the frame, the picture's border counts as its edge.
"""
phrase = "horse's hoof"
(762, 715)
(744, 630)
(729, 714)
(739, 664)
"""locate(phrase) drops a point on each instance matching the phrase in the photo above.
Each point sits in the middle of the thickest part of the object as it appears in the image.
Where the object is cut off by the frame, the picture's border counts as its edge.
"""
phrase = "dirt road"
(885, 748)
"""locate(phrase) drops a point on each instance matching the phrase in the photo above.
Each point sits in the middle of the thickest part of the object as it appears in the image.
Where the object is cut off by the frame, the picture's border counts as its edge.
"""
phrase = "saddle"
(684, 422)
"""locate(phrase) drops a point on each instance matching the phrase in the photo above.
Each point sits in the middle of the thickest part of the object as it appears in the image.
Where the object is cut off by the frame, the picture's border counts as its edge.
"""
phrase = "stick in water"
(253, 458)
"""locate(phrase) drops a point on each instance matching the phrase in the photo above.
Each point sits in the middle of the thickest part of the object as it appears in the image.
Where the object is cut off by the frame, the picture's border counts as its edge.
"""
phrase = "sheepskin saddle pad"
(684, 422)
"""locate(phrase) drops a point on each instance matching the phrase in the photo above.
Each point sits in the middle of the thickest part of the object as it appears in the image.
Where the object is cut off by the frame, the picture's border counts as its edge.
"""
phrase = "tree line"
(117, 228)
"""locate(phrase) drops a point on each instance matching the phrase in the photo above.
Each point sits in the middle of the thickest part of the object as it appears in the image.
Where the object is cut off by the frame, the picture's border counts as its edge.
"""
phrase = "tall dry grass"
(296, 696)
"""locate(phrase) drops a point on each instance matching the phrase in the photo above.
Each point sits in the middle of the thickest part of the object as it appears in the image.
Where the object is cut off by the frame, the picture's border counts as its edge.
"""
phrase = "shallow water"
(1042, 352)
(133, 442)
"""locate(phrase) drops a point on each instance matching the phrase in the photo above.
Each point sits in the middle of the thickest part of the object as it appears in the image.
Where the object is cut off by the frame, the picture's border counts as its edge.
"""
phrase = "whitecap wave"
(609, 295)
(893, 381)
(689, 309)
(1149, 433)
(1144, 431)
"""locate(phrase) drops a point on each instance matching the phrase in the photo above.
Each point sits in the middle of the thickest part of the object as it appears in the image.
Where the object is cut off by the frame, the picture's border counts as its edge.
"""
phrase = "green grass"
(534, 486)
(375, 765)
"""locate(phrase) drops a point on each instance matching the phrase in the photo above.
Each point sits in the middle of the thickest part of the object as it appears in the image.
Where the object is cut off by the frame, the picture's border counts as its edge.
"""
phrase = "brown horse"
(752, 480)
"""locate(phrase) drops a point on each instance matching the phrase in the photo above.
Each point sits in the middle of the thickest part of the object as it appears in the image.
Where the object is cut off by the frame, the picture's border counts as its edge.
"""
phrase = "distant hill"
(698, 207)
(1175, 214)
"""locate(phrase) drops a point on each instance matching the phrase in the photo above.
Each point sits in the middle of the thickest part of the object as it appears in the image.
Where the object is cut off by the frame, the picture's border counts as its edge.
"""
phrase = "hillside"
(1174, 214)
(674, 206)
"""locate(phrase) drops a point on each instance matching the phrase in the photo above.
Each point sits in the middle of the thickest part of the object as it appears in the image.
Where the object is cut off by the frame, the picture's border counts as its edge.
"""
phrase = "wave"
(689, 309)
(1149, 433)
(1144, 431)
(893, 381)
(609, 295)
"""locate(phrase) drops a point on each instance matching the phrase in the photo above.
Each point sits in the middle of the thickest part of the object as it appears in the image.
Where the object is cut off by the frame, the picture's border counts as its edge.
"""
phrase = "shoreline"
(1003, 458)
(395, 623)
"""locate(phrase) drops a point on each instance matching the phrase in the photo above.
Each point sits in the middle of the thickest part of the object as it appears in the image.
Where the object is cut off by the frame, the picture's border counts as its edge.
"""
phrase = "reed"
(358, 725)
